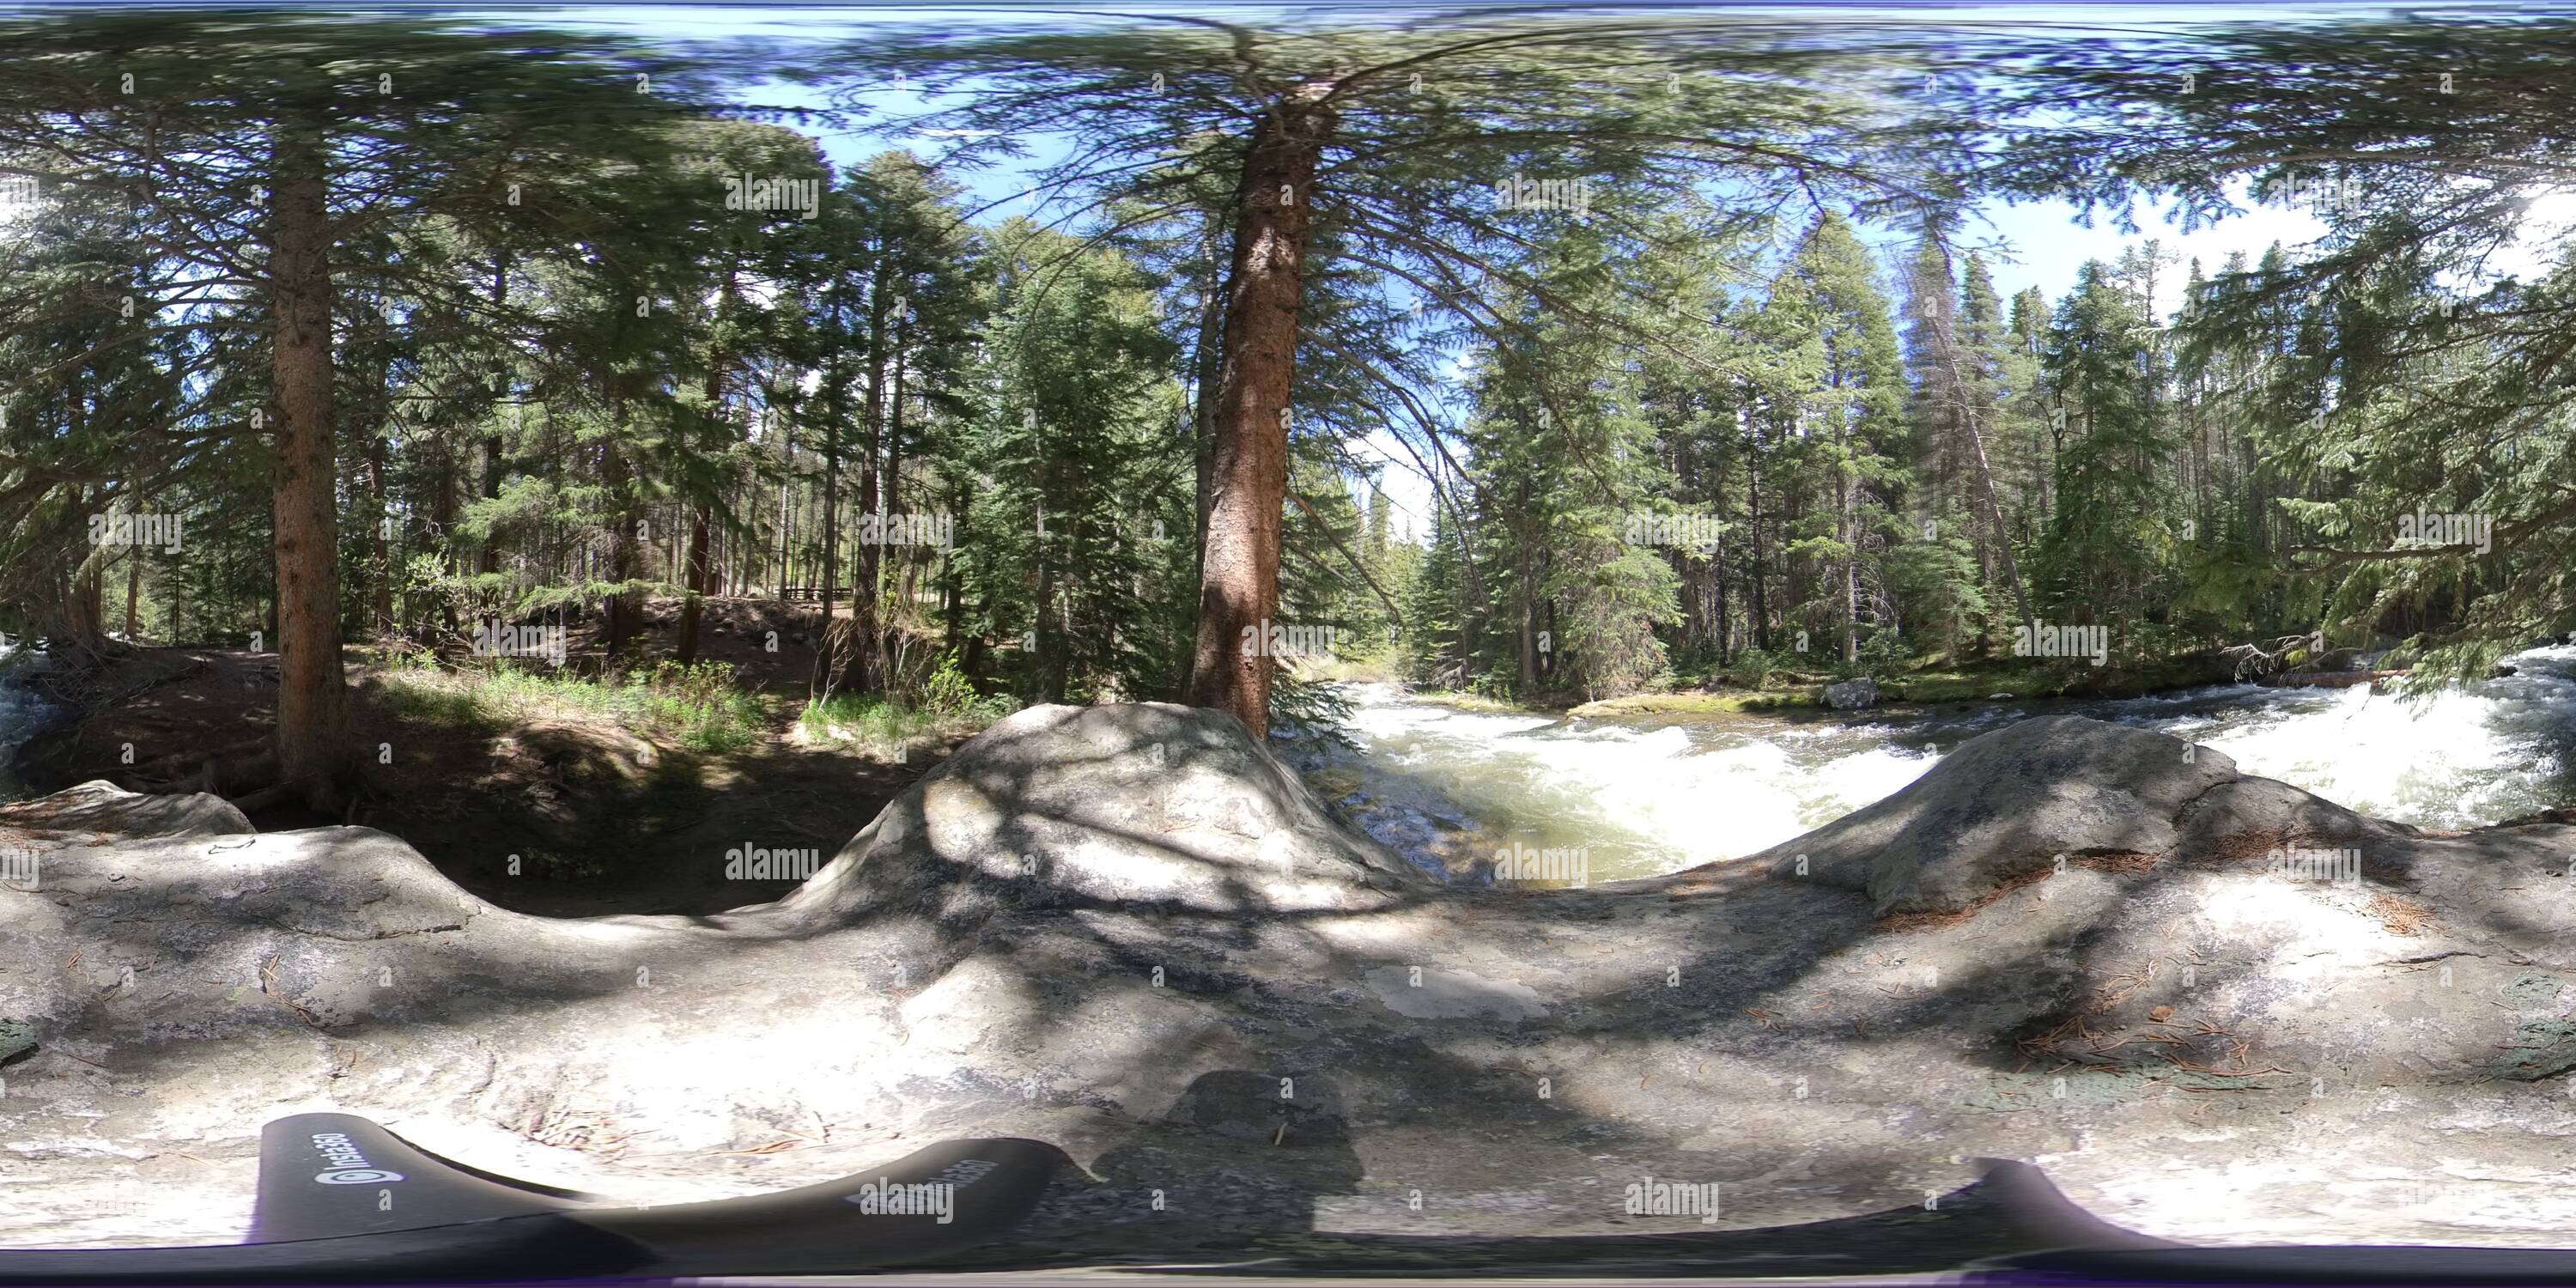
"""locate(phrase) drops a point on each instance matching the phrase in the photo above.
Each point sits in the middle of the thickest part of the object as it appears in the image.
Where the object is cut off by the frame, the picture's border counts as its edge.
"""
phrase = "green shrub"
(870, 723)
(1752, 667)
(949, 692)
(701, 704)
(1882, 651)
(1316, 707)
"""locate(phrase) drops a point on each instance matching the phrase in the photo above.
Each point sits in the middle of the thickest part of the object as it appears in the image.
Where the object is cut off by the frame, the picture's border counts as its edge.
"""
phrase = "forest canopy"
(1536, 356)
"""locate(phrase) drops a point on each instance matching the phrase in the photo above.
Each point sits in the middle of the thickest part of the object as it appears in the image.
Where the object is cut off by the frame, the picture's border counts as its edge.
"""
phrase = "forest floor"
(549, 796)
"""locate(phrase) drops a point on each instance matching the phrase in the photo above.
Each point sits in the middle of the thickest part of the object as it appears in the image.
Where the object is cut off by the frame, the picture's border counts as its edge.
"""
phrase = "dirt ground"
(557, 817)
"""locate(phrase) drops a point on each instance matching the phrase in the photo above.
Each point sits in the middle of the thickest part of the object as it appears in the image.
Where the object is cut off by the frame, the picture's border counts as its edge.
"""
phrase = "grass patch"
(1721, 702)
(868, 723)
(2044, 678)
(1466, 700)
(1364, 668)
(697, 706)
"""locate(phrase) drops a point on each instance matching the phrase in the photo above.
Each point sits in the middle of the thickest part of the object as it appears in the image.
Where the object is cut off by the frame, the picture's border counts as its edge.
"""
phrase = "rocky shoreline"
(2211, 1005)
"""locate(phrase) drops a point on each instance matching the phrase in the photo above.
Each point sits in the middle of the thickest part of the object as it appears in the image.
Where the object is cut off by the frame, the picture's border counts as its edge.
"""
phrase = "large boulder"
(1077, 915)
(1133, 805)
(1857, 694)
(1254, 1030)
(99, 806)
(2005, 804)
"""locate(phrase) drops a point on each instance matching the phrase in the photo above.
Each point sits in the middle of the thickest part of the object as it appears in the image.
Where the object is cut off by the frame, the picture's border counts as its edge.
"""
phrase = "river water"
(1646, 795)
(20, 713)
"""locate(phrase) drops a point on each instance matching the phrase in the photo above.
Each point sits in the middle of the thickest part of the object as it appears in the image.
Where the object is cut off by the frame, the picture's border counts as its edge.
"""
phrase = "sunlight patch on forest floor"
(870, 724)
(695, 706)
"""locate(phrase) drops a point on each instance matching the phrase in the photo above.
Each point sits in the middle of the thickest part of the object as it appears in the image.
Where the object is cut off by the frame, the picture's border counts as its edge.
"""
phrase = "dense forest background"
(1688, 333)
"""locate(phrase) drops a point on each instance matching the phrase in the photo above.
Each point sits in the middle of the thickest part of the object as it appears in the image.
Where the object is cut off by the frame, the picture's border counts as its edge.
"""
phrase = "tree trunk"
(1526, 635)
(625, 542)
(695, 609)
(1845, 531)
(442, 519)
(1052, 644)
(864, 609)
(824, 679)
(491, 558)
(1207, 365)
(78, 617)
(312, 699)
(786, 494)
(1239, 584)
(382, 601)
(1761, 603)
(901, 578)
(89, 607)
(693, 600)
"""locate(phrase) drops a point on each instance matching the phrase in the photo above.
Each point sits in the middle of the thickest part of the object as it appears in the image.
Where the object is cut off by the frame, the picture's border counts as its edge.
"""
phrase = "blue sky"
(2045, 245)
(2036, 244)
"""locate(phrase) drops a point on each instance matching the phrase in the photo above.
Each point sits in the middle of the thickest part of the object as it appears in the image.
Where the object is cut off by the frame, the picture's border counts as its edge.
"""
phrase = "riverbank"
(1998, 680)
(554, 791)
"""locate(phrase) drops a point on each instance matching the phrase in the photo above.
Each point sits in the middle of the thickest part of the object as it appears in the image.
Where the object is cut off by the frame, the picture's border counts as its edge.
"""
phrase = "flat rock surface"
(1129, 931)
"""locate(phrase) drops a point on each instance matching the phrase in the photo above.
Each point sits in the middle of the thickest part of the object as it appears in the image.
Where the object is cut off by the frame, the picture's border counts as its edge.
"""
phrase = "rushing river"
(19, 714)
(1645, 795)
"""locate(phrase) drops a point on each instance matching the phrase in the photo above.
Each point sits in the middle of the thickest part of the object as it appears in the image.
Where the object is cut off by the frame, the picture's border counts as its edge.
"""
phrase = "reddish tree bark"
(1248, 474)
(312, 699)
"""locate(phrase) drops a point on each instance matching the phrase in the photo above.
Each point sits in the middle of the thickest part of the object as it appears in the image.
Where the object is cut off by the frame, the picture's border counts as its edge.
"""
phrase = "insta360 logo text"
(351, 1167)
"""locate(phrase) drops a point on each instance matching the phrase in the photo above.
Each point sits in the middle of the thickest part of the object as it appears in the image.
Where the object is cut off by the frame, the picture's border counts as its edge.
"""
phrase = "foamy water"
(1645, 796)
(2495, 750)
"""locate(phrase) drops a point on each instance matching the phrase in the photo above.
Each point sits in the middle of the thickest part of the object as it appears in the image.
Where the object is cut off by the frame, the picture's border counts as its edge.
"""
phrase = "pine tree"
(1852, 413)
(1955, 343)
(2103, 553)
